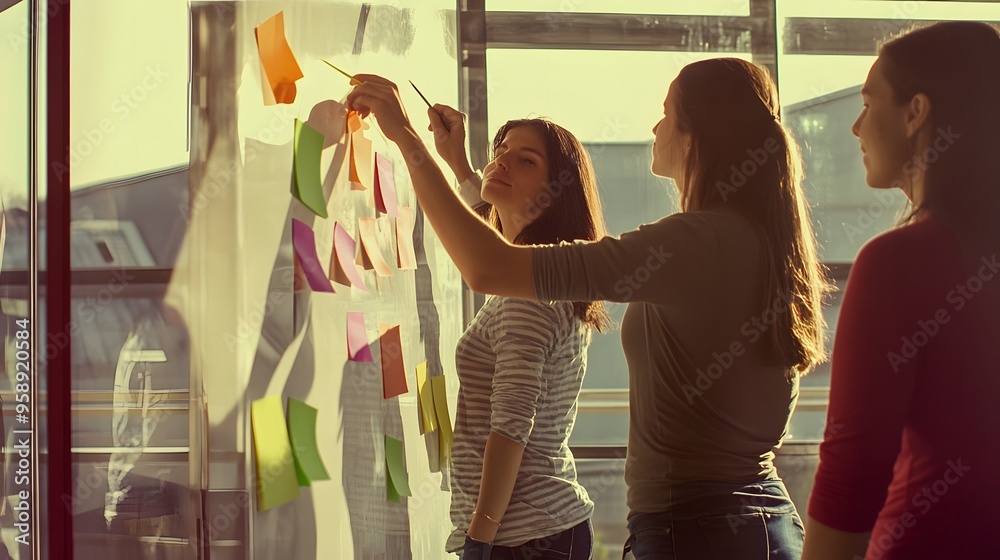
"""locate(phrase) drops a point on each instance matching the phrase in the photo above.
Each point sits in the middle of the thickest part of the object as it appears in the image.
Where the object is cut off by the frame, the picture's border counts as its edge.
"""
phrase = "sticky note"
(395, 469)
(360, 166)
(304, 241)
(279, 70)
(405, 258)
(302, 434)
(308, 151)
(357, 338)
(370, 247)
(275, 464)
(425, 400)
(385, 186)
(3, 230)
(440, 390)
(391, 352)
(342, 267)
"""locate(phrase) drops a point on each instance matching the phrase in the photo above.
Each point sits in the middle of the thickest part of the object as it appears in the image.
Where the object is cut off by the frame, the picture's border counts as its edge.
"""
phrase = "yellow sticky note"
(425, 401)
(440, 390)
(277, 482)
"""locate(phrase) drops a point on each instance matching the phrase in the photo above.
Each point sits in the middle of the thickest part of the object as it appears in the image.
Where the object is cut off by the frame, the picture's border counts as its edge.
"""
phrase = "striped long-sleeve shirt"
(521, 365)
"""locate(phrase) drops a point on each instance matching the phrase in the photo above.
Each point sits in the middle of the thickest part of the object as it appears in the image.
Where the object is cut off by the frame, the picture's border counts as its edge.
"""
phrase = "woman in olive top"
(724, 307)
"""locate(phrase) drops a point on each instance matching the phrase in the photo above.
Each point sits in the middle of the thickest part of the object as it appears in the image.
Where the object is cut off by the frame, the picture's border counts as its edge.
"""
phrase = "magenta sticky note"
(385, 186)
(304, 241)
(357, 338)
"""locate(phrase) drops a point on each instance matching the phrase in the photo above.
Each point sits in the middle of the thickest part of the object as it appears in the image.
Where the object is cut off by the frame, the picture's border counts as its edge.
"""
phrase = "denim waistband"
(699, 499)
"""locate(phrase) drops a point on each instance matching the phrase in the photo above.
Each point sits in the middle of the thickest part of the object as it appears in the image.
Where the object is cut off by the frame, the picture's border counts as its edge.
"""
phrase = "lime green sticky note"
(302, 433)
(440, 390)
(396, 469)
(308, 151)
(275, 465)
(425, 400)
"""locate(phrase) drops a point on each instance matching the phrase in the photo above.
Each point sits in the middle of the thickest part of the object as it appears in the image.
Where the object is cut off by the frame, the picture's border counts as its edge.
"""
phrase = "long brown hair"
(956, 65)
(569, 209)
(741, 155)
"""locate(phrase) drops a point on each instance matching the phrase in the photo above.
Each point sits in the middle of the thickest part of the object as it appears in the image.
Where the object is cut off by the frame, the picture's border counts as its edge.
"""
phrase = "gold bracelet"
(487, 517)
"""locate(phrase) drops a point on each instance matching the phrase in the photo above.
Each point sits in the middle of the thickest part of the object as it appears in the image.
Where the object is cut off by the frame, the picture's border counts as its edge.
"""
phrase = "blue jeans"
(575, 543)
(719, 520)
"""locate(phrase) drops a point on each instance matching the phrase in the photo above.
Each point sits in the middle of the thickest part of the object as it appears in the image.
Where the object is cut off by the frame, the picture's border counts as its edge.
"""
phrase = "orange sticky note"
(361, 174)
(371, 254)
(405, 258)
(391, 355)
(279, 70)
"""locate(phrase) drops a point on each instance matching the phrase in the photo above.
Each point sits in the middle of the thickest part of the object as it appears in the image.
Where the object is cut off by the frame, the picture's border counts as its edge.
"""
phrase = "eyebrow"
(524, 149)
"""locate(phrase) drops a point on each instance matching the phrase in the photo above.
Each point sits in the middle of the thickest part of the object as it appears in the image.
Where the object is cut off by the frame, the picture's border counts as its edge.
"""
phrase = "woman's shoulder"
(902, 244)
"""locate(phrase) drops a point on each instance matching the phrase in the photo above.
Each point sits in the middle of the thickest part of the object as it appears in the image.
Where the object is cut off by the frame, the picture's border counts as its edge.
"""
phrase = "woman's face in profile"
(670, 145)
(881, 131)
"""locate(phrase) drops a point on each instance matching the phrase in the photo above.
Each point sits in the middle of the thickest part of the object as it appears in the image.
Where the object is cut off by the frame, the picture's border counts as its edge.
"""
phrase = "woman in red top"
(910, 461)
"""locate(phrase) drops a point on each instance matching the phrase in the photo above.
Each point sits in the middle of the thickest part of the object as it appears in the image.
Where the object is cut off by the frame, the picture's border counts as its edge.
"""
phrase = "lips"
(496, 179)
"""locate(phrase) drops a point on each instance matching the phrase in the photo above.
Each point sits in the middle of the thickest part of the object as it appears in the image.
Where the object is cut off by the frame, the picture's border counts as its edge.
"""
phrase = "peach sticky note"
(343, 270)
(361, 174)
(385, 186)
(357, 338)
(277, 482)
(391, 353)
(304, 241)
(370, 247)
(278, 66)
(405, 258)
(425, 400)
(439, 388)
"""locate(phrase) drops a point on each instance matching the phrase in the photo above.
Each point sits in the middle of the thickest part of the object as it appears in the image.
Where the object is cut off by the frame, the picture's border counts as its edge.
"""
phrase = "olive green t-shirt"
(708, 400)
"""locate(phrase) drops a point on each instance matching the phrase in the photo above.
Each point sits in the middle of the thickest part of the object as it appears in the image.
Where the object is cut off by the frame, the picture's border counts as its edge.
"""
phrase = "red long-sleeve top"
(912, 444)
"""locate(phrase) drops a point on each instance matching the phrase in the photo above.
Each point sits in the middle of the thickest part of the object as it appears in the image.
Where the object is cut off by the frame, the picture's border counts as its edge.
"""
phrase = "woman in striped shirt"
(521, 362)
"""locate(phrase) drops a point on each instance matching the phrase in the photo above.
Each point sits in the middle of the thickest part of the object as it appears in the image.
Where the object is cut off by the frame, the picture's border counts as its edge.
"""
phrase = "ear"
(918, 114)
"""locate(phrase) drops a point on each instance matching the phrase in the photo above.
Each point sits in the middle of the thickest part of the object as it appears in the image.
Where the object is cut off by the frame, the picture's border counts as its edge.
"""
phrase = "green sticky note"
(275, 465)
(396, 469)
(302, 433)
(308, 150)
(440, 390)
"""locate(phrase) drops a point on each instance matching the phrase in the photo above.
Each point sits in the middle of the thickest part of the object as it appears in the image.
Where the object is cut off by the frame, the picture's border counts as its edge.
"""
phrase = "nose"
(857, 126)
(655, 126)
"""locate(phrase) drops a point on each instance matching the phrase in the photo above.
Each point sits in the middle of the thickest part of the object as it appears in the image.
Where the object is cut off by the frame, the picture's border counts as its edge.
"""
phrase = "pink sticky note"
(342, 267)
(304, 241)
(385, 186)
(393, 372)
(405, 257)
(368, 232)
(357, 338)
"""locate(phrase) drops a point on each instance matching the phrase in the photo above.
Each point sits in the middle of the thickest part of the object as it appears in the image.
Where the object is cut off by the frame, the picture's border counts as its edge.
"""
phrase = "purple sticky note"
(385, 186)
(357, 338)
(304, 241)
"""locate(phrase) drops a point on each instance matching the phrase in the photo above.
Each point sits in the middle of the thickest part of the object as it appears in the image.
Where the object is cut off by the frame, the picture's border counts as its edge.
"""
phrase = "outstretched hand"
(450, 141)
(380, 97)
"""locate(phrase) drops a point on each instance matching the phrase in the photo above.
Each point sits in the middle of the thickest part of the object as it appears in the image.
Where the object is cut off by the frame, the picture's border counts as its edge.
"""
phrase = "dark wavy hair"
(956, 64)
(741, 155)
(570, 207)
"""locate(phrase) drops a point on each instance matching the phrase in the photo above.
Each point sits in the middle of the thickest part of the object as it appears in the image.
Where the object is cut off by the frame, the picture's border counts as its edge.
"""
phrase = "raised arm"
(486, 260)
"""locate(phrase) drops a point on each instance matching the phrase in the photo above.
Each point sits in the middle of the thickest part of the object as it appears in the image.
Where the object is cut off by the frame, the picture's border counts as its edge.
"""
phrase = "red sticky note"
(385, 186)
(342, 267)
(405, 258)
(393, 372)
(357, 338)
(304, 241)
(279, 70)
